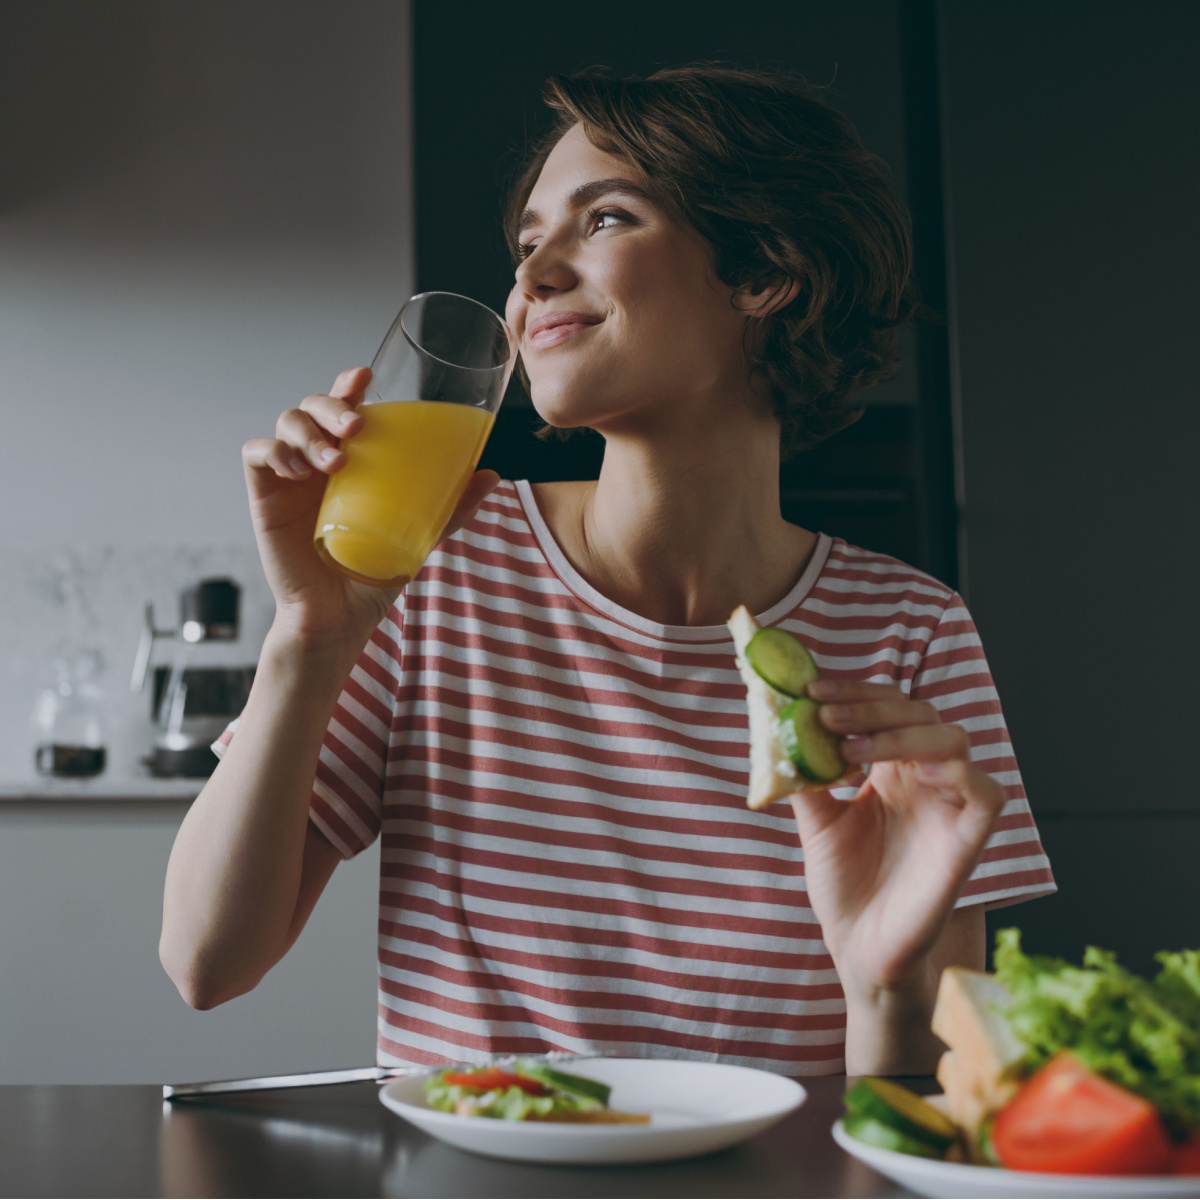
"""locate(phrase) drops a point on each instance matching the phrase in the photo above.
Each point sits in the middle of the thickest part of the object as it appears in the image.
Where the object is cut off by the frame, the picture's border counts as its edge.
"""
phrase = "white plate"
(695, 1108)
(929, 1177)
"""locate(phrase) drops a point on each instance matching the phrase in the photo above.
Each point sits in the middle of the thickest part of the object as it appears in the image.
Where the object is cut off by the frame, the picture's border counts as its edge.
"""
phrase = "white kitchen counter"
(143, 788)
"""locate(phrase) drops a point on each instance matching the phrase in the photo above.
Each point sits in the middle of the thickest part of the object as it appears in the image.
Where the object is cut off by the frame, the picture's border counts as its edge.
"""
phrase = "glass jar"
(69, 719)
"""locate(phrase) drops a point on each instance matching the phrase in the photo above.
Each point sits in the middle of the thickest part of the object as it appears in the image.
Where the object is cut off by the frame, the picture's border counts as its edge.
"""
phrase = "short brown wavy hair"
(781, 187)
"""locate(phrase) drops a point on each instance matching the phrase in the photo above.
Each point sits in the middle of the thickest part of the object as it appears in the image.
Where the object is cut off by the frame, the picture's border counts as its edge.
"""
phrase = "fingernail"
(346, 419)
(328, 455)
(933, 771)
(856, 749)
(300, 465)
(836, 712)
(823, 689)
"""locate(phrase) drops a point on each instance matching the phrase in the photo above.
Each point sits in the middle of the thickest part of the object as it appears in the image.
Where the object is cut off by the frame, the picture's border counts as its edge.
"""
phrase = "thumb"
(816, 810)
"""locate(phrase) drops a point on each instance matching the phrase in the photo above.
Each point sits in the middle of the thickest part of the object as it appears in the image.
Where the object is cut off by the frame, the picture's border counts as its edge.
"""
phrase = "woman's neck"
(681, 528)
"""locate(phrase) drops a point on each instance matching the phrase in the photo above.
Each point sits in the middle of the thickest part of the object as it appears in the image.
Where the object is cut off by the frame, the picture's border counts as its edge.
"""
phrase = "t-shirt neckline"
(561, 566)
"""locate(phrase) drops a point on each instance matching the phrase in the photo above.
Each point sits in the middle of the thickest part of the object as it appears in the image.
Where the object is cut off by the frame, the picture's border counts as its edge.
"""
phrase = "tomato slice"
(493, 1078)
(1067, 1120)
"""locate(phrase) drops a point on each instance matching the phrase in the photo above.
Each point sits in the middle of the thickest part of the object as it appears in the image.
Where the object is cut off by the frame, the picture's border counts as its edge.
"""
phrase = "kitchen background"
(207, 210)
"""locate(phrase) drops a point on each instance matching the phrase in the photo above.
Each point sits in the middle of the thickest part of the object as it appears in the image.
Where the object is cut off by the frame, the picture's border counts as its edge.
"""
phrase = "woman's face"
(620, 318)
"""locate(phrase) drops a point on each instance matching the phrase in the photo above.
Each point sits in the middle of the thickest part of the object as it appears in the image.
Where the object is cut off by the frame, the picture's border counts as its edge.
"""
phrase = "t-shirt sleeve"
(954, 677)
(347, 792)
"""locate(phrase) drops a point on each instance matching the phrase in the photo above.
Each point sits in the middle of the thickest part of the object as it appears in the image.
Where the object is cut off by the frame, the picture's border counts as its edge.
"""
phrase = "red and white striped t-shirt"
(568, 861)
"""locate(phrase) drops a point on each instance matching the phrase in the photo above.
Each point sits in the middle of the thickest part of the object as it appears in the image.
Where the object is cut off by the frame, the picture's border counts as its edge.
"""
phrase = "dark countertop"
(340, 1141)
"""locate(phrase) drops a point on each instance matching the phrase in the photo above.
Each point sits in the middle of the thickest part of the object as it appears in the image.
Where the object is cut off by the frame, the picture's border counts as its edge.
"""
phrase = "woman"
(548, 725)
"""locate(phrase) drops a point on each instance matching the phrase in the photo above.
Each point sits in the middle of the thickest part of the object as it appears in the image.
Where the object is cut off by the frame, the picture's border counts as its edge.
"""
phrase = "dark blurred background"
(886, 481)
(1037, 450)
(206, 210)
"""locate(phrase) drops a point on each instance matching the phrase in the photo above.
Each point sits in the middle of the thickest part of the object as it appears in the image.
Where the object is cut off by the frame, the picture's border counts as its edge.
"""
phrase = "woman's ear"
(762, 298)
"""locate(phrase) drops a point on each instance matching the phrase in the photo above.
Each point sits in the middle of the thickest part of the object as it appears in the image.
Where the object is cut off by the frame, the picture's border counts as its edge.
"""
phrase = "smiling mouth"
(555, 331)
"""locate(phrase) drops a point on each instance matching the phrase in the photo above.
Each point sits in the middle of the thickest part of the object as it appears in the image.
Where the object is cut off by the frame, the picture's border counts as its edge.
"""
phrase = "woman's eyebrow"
(585, 194)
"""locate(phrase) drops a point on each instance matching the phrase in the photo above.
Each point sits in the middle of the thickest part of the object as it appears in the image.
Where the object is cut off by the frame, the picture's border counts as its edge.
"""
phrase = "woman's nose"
(546, 270)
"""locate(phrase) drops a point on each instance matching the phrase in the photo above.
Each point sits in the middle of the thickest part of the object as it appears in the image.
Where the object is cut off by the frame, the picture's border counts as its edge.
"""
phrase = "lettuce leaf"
(1142, 1035)
(1178, 984)
(507, 1104)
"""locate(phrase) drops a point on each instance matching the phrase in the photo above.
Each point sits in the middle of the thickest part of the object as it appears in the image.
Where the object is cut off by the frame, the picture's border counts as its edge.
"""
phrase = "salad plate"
(695, 1108)
(932, 1177)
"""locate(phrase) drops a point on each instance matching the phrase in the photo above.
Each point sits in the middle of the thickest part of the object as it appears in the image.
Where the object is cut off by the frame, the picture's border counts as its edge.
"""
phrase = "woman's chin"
(559, 413)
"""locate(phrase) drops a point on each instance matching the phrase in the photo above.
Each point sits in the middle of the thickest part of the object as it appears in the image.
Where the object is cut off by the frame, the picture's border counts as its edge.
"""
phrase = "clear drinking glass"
(438, 379)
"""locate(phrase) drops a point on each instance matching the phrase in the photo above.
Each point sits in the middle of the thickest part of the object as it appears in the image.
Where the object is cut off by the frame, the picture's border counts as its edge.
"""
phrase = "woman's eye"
(606, 220)
(597, 220)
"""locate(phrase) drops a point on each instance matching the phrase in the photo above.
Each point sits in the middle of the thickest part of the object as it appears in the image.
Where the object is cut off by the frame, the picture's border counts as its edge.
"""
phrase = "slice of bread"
(772, 775)
(981, 1071)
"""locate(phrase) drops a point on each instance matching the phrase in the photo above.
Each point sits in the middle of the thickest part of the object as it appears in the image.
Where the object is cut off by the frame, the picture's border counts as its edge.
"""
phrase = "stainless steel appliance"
(190, 705)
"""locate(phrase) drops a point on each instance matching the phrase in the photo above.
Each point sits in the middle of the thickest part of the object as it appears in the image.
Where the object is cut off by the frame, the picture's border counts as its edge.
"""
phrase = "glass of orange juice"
(436, 384)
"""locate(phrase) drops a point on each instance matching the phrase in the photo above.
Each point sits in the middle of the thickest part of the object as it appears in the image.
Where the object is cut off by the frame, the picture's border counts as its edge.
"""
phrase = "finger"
(350, 385)
(335, 415)
(479, 487)
(984, 798)
(851, 690)
(303, 434)
(274, 456)
(915, 743)
(872, 716)
(965, 777)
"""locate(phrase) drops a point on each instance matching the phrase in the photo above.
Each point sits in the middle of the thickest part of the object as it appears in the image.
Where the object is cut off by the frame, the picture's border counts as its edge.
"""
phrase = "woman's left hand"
(884, 871)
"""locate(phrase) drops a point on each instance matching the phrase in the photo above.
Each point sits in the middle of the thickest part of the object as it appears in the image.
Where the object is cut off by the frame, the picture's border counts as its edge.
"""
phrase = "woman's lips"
(556, 328)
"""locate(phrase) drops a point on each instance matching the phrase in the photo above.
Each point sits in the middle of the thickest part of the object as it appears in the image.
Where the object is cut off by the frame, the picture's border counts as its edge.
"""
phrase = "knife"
(266, 1083)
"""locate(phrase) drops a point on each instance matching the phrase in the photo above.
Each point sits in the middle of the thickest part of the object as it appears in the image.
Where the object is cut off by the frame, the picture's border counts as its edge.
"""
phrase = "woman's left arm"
(884, 870)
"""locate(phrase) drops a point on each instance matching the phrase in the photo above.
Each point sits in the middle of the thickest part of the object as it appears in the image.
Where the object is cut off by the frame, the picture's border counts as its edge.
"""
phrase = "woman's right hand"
(285, 476)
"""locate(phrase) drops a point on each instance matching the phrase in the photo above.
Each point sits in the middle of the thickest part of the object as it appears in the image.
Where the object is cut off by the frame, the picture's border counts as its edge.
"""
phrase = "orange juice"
(406, 470)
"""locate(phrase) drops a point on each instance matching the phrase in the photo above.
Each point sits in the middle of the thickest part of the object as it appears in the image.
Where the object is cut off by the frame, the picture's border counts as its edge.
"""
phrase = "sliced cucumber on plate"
(589, 1089)
(884, 1114)
(886, 1137)
(904, 1111)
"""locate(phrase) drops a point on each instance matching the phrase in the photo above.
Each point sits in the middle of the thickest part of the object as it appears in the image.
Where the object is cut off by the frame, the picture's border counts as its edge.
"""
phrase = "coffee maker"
(191, 705)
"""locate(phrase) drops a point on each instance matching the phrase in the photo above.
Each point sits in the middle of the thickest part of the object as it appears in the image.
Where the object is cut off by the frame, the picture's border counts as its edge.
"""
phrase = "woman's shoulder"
(856, 569)
(878, 609)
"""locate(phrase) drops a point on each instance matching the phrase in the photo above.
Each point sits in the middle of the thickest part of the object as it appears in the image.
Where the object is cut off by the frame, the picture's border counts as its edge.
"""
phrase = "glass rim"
(508, 333)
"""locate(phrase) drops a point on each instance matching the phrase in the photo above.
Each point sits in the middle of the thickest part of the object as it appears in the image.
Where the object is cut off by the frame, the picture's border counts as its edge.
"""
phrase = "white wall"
(205, 215)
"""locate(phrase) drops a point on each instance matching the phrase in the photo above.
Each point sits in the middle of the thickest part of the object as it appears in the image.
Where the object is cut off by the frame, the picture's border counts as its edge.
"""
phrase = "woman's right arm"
(247, 867)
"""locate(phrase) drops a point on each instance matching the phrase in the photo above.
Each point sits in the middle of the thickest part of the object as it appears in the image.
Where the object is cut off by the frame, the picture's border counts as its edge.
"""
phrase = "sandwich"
(982, 1069)
(790, 750)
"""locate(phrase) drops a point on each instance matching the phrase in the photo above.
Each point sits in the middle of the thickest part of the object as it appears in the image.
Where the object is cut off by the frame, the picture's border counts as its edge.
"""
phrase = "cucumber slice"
(987, 1148)
(876, 1133)
(589, 1089)
(811, 747)
(782, 660)
(904, 1111)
